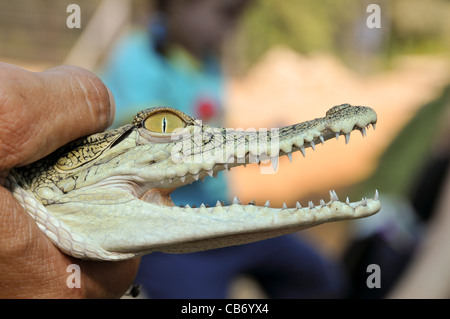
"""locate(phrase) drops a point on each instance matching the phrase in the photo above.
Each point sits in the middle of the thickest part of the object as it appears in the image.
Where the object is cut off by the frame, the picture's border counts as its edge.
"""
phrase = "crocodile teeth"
(363, 131)
(322, 203)
(236, 200)
(335, 195)
(298, 206)
(311, 204)
(267, 204)
(210, 173)
(302, 149)
(290, 156)
(274, 161)
(347, 138)
(321, 139)
(202, 205)
(337, 136)
(364, 201)
(195, 176)
(376, 195)
(373, 125)
(313, 145)
(218, 204)
(331, 196)
(284, 206)
(347, 201)
(182, 178)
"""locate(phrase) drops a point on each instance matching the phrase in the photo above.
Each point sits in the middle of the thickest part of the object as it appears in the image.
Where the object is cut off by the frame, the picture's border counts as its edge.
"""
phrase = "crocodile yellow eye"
(163, 122)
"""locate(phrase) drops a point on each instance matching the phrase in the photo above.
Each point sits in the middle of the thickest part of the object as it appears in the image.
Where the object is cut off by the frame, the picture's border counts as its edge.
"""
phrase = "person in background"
(176, 62)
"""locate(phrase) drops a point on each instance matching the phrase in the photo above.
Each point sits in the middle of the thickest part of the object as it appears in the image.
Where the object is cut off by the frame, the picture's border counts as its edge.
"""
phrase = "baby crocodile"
(106, 196)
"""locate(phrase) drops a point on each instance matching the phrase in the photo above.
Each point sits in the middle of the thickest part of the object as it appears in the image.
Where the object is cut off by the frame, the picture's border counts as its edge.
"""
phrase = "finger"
(40, 112)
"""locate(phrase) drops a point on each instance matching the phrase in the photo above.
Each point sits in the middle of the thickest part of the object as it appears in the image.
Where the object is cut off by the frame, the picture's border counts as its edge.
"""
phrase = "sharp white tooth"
(363, 131)
(311, 204)
(195, 176)
(335, 195)
(210, 173)
(225, 165)
(347, 201)
(187, 206)
(376, 195)
(321, 139)
(322, 202)
(218, 204)
(202, 205)
(290, 156)
(284, 206)
(274, 161)
(347, 138)
(337, 136)
(302, 149)
(313, 145)
(298, 206)
(373, 125)
(182, 178)
(236, 200)
(364, 201)
(267, 204)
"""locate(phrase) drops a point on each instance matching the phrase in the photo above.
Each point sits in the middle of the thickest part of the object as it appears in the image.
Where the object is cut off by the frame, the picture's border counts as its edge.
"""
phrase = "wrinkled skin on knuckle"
(17, 122)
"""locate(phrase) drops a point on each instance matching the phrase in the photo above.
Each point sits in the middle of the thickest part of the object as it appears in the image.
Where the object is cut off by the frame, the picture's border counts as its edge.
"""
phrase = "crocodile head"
(107, 196)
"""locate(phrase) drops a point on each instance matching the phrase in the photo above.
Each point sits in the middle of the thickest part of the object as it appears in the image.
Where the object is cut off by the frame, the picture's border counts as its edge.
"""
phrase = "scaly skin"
(106, 196)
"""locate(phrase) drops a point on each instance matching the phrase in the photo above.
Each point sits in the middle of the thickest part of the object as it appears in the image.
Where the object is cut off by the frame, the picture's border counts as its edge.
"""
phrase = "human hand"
(40, 112)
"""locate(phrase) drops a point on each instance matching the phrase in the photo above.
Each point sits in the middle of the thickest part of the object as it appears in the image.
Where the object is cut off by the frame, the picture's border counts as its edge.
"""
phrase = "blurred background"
(289, 61)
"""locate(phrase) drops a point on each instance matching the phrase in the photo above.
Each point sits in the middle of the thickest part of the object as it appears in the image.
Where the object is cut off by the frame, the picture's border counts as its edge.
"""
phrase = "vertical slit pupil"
(164, 124)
